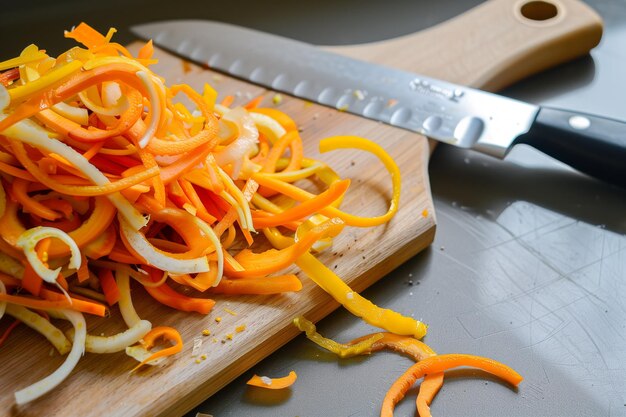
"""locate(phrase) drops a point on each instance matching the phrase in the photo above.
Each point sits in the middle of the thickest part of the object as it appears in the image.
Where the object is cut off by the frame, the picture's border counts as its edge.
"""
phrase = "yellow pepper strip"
(44, 83)
(409, 346)
(264, 204)
(331, 283)
(339, 349)
(209, 95)
(350, 142)
(293, 176)
(355, 303)
(30, 54)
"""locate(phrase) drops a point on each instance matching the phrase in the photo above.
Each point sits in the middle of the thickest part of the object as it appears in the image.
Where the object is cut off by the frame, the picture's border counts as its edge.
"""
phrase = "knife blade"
(453, 114)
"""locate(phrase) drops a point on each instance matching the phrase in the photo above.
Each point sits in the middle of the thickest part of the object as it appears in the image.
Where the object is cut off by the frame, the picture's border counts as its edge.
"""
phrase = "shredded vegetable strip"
(41, 325)
(57, 303)
(273, 383)
(440, 363)
(117, 342)
(418, 351)
(48, 383)
(351, 300)
(267, 285)
(341, 350)
(167, 333)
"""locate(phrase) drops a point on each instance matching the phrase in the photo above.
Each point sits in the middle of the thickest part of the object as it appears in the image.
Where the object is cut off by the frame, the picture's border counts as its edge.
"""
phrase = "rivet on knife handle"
(592, 144)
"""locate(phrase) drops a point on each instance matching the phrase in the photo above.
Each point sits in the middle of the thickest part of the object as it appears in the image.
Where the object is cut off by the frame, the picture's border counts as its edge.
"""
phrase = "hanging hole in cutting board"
(539, 12)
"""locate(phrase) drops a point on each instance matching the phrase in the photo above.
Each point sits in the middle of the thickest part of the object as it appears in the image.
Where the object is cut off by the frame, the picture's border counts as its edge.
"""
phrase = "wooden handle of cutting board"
(492, 45)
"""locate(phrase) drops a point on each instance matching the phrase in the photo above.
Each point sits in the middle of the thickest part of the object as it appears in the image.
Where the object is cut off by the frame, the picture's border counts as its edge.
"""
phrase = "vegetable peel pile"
(108, 175)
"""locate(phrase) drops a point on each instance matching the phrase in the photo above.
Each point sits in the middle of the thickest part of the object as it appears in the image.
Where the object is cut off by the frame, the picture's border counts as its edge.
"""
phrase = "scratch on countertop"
(591, 339)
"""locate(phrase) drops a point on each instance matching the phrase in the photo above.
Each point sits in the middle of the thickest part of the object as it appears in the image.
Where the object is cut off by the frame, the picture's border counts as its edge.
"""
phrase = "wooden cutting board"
(490, 46)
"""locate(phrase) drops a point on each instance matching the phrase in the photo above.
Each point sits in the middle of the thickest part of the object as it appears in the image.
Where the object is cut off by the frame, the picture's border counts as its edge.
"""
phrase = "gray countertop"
(529, 261)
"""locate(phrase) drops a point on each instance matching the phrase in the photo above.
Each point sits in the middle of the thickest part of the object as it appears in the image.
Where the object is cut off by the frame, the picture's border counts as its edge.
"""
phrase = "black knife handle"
(592, 144)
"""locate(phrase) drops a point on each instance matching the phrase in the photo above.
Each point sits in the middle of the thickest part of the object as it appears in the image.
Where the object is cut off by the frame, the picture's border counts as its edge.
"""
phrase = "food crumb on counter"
(240, 328)
(206, 332)
(218, 319)
(231, 312)
(197, 344)
(277, 99)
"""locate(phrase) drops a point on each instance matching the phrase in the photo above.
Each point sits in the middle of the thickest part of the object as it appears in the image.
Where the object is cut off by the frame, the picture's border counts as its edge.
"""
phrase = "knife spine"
(450, 113)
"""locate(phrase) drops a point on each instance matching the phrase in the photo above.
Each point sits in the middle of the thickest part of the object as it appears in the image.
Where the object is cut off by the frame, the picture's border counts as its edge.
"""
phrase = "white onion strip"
(3, 304)
(268, 126)
(117, 342)
(240, 202)
(129, 314)
(218, 248)
(140, 354)
(5, 98)
(115, 110)
(47, 384)
(41, 325)
(243, 146)
(75, 114)
(28, 241)
(155, 106)
(144, 248)
(11, 266)
(27, 131)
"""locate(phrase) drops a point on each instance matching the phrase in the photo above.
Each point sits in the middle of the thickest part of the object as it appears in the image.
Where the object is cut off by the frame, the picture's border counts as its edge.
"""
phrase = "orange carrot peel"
(440, 363)
(167, 333)
(273, 383)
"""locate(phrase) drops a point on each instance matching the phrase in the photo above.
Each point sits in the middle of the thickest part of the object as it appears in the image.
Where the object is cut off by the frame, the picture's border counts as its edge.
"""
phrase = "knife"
(450, 113)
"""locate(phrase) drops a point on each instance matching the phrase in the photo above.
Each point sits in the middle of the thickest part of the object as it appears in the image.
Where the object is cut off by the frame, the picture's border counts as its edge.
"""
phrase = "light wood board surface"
(500, 49)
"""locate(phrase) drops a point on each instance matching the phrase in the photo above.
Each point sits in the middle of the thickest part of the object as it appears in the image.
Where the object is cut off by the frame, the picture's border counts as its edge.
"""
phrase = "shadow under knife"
(488, 186)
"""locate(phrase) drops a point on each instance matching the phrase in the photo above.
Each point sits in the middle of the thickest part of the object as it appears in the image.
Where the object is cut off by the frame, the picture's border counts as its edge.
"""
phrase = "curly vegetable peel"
(429, 365)
(105, 175)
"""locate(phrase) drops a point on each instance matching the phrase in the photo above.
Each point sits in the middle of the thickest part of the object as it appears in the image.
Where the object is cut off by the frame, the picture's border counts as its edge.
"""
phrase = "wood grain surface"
(101, 384)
